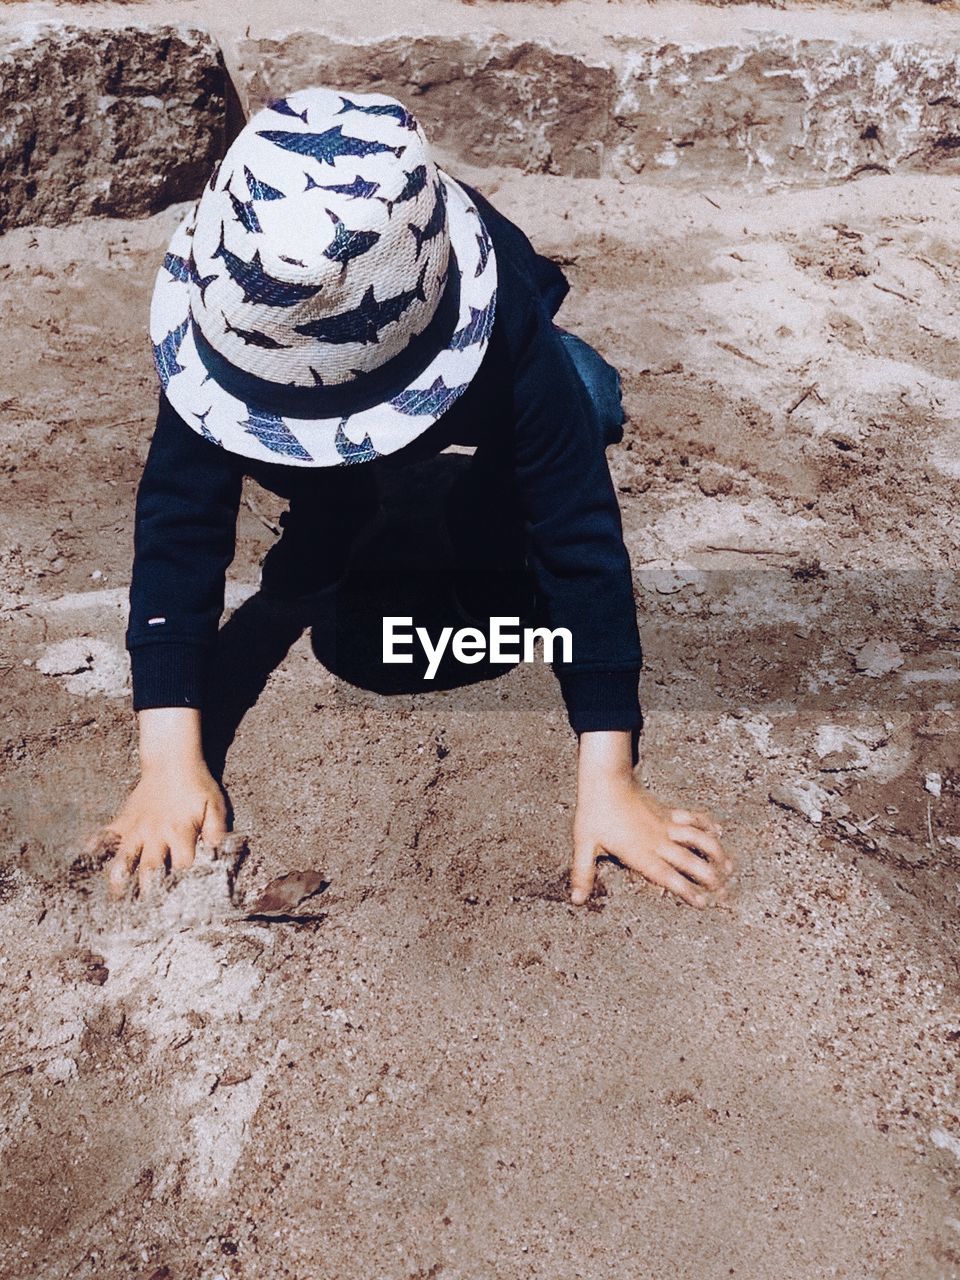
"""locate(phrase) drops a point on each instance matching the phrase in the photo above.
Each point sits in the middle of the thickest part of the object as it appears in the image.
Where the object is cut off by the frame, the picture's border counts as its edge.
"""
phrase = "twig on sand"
(867, 168)
(709, 201)
(933, 844)
(801, 397)
(267, 524)
(26, 1069)
(927, 262)
(896, 293)
(735, 351)
(750, 551)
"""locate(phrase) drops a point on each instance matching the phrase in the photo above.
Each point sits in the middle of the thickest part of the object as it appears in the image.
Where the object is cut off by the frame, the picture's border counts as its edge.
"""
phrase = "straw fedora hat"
(333, 291)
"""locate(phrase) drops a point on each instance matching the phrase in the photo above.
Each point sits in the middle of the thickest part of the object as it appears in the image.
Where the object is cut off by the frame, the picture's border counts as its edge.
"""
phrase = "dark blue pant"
(603, 383)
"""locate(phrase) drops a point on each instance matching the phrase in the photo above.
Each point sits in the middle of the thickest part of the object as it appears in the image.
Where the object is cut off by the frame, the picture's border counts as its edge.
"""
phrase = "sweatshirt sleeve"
(184, 538)
(575, 539)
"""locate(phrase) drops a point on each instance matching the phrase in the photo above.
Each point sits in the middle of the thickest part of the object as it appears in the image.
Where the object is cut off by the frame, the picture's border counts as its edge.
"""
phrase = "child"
(337, 305)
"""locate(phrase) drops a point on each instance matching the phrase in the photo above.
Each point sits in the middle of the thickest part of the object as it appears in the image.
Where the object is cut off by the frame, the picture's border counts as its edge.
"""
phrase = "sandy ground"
(440, 1069)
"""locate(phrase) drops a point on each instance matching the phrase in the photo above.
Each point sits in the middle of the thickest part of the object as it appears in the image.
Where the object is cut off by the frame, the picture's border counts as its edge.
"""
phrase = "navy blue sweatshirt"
(527, 390)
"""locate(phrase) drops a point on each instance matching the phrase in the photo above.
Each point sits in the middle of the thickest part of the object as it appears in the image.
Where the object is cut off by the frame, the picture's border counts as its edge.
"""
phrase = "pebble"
(808, 799)
(879, 658)
(946, 1142)
(713, 480)
(60, 1070)
(666, 582)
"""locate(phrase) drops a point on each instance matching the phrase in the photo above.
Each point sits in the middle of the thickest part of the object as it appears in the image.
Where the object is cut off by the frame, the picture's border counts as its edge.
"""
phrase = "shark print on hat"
(245, 214)
(359, 188)
(202, 282)
(204, 429)
(283, 108)
(435, 223)
(391, 309)
(165, 353)
(347, 244)
(477, 329)
(253, 338)
(416, 180)
(184, 270)
(273, 433)
(403, 117)
(178, 267)
(484, 244)
(351, 452)
(257, 285)
(261, 190)
(433, 399)
(326, 147)
(363, 323)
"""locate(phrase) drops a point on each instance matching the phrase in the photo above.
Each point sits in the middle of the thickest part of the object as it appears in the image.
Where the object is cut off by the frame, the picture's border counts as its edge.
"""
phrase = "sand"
(445, 1070)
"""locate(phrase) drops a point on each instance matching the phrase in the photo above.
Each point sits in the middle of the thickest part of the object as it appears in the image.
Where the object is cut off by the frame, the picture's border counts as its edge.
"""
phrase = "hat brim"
(255, 432)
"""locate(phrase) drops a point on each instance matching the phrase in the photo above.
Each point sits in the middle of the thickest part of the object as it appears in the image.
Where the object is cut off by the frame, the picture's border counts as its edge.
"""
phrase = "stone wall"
(789, 110)
(122, 120)
(769, 107)
(118, 121)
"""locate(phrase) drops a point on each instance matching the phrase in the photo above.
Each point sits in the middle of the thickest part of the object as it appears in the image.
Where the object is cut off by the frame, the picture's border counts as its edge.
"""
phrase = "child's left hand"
(675, 848)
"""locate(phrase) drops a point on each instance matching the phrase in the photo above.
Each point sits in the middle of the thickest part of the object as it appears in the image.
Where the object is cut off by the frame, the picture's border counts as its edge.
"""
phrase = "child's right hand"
(164, 814)
(176, 800)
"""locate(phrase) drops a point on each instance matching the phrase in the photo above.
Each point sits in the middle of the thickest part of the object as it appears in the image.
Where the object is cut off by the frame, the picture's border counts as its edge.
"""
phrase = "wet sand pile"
(417, 1060)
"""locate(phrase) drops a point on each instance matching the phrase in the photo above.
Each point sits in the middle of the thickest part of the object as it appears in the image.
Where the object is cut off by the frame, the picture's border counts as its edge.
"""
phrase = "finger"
(696, 818)
(690, 865)
(148, 878)
(214, 826)
(120, 868)
(151, 863)
(183, 848)
(707, 844)
(103, 842)
(582, 872)
(673, 881)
